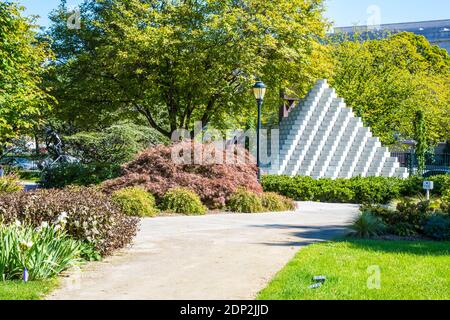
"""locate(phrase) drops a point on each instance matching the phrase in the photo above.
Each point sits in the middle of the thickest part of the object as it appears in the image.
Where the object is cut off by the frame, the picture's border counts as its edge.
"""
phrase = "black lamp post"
(259, 89)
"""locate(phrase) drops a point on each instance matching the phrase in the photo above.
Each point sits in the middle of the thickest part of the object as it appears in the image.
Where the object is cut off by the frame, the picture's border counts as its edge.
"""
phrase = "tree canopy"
(388, 81)
(22, 59)
(176, 62)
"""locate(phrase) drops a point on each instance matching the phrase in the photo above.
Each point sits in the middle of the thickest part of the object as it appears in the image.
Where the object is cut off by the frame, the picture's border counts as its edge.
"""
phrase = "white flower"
(24, 245)
(44, 225)
(18, 223)
(57, 227)
(62, 218)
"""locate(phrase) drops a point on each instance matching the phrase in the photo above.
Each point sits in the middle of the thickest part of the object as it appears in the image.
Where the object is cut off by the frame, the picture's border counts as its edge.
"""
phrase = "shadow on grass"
(312, 234)
(306, 234)
(416, 247)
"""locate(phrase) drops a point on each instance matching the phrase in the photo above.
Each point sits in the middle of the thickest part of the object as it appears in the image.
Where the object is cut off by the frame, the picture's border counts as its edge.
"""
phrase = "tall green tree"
(420, 135)
(176, 62)
(22, 59)
(387, 81)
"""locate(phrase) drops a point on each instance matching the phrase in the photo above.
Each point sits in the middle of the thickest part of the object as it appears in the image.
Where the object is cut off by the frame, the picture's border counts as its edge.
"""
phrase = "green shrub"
(404, 229)
(413, 186)
(368, 190)
(91, 216)
(438, 227)
(446, 195)
(9, 184)
(244, 201)
(116, 144)
(367, 225)
(355, 190)
(44, 252)
(413, 214)
(441, 183)
(445, 207)
(273, 202)
(135, 201)
(77, 174)
(30, 175)
(183, 201)
(338, 191)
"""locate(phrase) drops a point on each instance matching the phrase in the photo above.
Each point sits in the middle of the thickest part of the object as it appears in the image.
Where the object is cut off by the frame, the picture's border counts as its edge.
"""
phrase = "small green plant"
(136, 201)
(183, 201)
(10, 183)
(243, 201)
(44, 252)
(274, 202)
(367, 225)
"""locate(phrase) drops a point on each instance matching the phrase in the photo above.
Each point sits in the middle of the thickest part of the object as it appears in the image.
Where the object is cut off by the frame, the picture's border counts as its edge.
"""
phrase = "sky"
(341, 12)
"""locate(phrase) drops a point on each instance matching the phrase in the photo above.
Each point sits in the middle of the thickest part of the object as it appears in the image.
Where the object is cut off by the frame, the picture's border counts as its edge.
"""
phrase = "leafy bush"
(183, 201)
(78, 174)
(413, 186)
(368, 190)
(404, 229)
(445, 207)
(30, 175)
(273, 202)
(44, 252)
(10, 183)
(367, 225)
(244, 201)
(413, 214)
(446, 195)
(156, 172)
(413, 218)
(407, 220)
(135, 202)
(376, 189)
(114, 145)
(438, 227)
(91, 216)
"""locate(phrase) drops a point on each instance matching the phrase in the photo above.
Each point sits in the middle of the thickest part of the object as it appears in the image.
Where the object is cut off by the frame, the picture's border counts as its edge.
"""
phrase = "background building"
(437, 32)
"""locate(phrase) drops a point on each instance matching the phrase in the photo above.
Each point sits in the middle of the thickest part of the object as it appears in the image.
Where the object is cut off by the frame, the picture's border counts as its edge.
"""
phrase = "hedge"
(354, 190)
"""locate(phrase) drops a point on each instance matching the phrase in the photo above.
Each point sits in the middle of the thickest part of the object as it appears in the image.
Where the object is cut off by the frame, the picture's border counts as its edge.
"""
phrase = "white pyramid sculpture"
(322, 138)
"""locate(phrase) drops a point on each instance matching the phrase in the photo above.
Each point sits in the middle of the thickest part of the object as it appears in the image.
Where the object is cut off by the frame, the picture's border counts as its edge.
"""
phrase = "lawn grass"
(19, 290)
(409, 270)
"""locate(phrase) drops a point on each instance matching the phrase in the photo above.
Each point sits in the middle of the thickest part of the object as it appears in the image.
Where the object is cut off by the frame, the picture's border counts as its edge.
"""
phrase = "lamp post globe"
(259, 89)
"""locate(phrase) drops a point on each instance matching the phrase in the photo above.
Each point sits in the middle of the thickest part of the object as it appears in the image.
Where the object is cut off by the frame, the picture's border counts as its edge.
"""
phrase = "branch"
(151, 121)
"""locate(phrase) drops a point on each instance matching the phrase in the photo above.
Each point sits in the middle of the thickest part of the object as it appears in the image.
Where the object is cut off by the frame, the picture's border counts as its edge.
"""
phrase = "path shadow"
(306, 234)
(312, 234)
(416, 247)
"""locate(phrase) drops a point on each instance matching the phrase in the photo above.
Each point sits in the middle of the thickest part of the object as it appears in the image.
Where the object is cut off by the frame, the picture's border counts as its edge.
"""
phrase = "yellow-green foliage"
(136, 201)
(10, 184)
(244, 201)
(183, 201)
(274, 202)
(446, 195)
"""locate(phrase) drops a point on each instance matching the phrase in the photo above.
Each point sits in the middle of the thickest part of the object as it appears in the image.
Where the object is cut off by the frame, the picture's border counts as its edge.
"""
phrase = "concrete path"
(224, 256)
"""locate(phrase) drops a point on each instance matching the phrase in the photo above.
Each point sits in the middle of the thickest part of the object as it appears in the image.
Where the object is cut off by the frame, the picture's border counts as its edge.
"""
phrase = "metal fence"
(439, 161)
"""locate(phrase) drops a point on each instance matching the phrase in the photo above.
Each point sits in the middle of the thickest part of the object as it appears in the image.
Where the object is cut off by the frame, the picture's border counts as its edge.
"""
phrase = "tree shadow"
(313, 234)
(306, 234)
(415, 247)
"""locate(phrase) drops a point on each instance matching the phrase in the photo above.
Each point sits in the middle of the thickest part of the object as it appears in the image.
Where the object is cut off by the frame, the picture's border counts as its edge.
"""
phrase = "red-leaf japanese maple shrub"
(214, 181)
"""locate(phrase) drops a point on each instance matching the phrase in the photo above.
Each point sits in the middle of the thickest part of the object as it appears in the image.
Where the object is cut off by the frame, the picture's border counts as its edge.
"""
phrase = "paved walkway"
(224, 256)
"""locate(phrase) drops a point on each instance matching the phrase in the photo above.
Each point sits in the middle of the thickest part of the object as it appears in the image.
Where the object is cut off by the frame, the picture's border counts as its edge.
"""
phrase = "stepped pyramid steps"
(322, 138)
